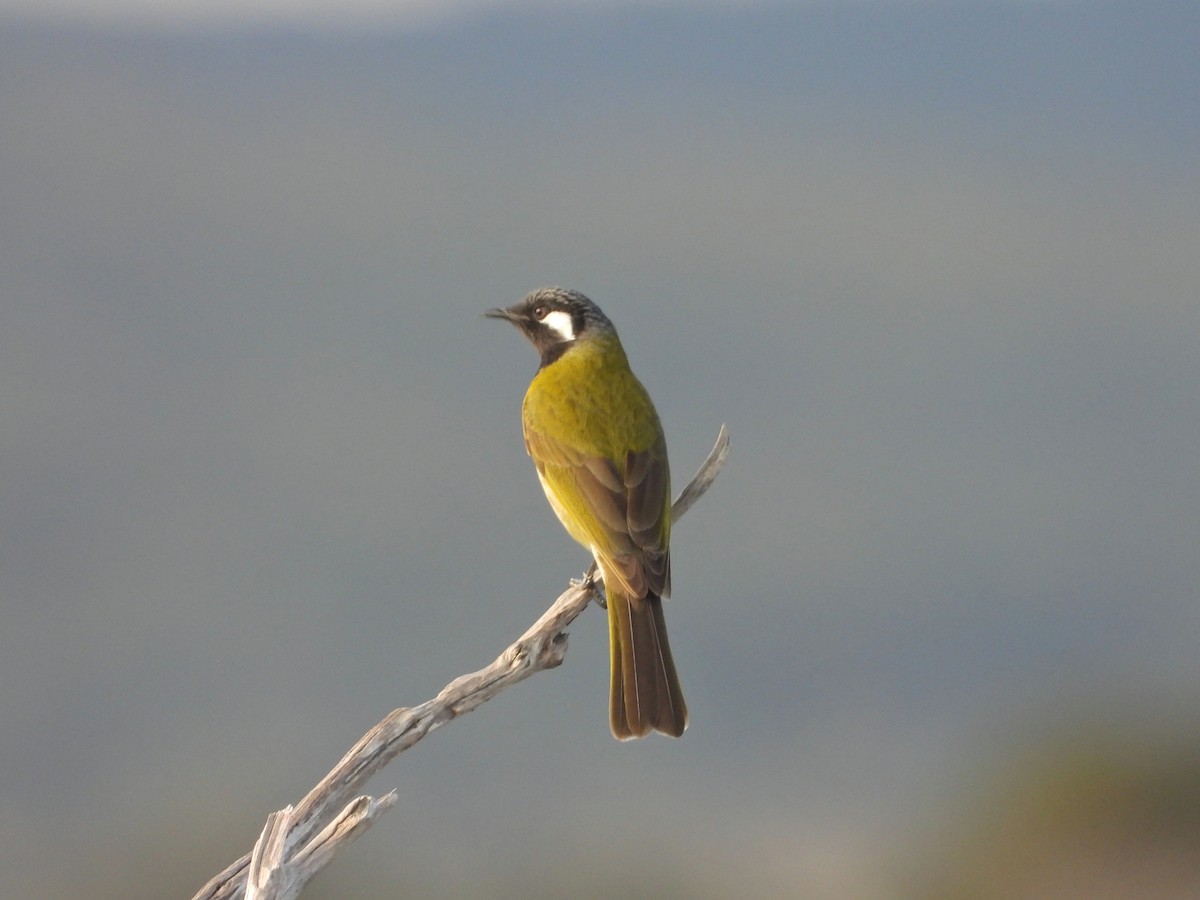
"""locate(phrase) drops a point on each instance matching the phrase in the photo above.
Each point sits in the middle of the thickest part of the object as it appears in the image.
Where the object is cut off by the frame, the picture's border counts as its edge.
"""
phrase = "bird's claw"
(593, 585)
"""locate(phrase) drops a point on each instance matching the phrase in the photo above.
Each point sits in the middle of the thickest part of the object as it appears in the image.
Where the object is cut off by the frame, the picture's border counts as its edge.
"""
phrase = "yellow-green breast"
(589, 401)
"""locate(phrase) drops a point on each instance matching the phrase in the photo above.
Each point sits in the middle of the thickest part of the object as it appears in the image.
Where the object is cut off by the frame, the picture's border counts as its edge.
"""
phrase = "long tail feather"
(645, 694)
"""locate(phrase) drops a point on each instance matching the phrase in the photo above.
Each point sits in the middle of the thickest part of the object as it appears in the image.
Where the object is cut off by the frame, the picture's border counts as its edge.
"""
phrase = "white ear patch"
(561, 324)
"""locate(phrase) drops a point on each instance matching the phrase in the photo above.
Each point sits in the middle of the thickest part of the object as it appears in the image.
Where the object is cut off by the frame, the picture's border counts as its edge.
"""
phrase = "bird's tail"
(645, 692)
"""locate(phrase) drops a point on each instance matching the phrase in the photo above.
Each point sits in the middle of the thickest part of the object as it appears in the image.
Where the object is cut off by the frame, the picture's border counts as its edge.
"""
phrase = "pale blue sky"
(420, 13)
(261, 476)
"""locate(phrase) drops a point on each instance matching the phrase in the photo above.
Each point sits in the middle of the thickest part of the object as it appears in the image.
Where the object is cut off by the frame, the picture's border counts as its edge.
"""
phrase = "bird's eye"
(541, 311)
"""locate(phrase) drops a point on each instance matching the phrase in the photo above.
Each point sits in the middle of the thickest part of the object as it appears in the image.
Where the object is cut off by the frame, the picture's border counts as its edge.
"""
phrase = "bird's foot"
(593, 585)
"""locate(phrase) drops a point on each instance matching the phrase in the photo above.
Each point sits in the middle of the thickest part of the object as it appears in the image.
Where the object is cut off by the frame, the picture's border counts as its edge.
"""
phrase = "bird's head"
(554, 319)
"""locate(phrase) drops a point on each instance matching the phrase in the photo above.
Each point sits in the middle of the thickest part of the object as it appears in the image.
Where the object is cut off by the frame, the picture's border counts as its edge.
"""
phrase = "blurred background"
(937, 265)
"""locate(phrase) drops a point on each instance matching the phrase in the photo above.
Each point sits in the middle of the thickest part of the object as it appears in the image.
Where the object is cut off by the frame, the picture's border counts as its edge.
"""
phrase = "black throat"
(551, 352)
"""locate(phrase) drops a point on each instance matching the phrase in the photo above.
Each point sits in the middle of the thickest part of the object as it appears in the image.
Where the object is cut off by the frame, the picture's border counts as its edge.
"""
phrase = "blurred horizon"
(261, 474)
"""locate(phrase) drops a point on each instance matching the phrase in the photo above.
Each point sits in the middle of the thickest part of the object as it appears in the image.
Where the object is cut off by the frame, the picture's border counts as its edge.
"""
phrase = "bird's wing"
(620, 509)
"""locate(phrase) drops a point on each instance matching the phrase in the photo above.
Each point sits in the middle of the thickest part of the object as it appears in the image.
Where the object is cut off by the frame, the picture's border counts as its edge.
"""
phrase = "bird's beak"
(501, 313)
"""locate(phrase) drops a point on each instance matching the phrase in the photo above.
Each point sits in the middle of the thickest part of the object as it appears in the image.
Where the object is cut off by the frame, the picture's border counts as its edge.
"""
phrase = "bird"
(601, 457)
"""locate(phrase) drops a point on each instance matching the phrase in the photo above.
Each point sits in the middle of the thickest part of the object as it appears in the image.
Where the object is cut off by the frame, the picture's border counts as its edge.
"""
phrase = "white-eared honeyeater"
(601, 456)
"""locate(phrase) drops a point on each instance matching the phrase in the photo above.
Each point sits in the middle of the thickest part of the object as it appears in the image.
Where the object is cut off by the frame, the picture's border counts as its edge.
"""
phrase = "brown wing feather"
(622, 512)
(646, 512)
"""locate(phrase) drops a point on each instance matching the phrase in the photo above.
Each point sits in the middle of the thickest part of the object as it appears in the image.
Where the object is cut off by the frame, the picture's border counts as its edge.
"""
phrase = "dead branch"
(298, 841)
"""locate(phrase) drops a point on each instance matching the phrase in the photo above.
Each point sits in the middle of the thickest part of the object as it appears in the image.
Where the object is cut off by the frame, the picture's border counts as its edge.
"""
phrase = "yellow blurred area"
(1099, 811)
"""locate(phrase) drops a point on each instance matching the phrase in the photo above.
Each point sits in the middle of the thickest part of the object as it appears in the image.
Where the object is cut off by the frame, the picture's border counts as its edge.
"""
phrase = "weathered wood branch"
(273, 877)
(298, 841)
